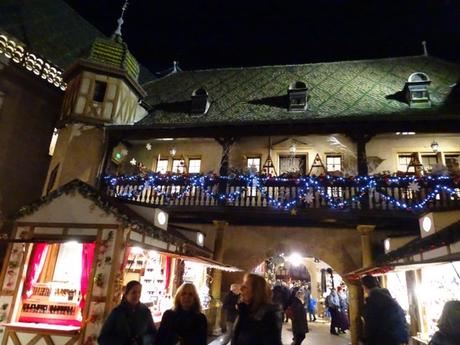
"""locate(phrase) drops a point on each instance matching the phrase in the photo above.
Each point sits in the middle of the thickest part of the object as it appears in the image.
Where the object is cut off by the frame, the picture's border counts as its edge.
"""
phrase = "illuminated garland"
(308, 188)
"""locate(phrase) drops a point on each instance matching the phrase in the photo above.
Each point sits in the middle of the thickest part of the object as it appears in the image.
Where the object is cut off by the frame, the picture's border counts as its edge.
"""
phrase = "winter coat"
(187, 327)
(439, 338)
(260, 328)
(230, 302)
(299, 317)
(384, 320)
(126, 323)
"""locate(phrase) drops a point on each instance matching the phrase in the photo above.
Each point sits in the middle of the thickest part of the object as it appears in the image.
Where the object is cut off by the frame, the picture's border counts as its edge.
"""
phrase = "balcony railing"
(407, 193)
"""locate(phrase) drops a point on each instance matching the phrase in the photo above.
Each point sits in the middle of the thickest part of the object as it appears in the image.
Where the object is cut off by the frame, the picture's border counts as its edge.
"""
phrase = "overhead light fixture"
(295, 259)
(435, 146)
(173, 151)
(200, 239)
(161, 219)
(148, 146)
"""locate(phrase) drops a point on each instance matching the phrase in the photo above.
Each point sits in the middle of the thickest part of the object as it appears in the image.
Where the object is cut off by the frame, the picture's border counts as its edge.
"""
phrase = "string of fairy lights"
(332, 191)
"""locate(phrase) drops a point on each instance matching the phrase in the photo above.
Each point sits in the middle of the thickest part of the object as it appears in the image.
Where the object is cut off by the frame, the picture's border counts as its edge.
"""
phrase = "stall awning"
(205, 261)
(375, 271)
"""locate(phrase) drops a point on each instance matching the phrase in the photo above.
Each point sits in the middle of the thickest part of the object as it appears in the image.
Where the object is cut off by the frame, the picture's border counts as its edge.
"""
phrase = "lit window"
(53, 142)
(178, 166)
(162, 166)
(452, 162)
(99, 91)
(403, 162)
(428, 161)
(334, 163)
(194, 165)
(253, 164)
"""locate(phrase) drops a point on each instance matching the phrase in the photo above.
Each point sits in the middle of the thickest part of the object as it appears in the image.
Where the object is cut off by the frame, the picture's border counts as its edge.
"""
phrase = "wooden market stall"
(422, 275)
(68, 259)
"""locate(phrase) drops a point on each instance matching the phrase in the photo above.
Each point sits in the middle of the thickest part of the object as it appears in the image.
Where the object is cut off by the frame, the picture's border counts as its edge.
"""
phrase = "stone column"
(366, 244)
(355, 309)
(216, 303)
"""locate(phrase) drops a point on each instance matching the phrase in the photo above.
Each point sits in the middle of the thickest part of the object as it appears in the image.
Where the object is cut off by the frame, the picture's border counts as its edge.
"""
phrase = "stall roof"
(121, 212)
(392, 261)
(205, 261)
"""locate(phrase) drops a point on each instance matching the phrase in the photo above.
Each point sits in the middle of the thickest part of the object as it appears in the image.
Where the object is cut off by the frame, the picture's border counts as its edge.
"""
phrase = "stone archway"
(247, 246)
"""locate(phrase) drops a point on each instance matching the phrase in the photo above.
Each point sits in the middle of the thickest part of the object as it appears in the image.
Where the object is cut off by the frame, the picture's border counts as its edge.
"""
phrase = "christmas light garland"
(309, 188)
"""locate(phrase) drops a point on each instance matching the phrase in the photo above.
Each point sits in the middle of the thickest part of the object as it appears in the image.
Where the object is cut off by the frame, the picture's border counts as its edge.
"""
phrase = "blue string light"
(132, 187)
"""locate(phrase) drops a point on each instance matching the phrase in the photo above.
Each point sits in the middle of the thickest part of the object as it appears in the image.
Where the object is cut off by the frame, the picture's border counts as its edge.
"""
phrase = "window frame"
(184, 167)
(99, 86)
(334, 155)
(158, 163)
(252, 157)
(190, 165)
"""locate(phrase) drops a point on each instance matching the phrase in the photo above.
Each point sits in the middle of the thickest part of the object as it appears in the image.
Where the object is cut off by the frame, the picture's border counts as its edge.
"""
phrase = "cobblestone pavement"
(318, 335)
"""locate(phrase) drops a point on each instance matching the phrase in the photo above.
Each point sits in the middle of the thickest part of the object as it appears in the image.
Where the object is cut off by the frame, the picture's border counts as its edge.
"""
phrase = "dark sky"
(222, 33)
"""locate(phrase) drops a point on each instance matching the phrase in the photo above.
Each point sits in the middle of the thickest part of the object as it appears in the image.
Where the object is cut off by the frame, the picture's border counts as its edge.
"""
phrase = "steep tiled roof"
(52, 29)
(336, 90)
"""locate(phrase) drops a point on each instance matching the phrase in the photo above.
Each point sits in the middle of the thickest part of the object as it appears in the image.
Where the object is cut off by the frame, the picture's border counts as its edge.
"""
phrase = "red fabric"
(50, 321)
(167, 271)
(37, 260)
(86, 265)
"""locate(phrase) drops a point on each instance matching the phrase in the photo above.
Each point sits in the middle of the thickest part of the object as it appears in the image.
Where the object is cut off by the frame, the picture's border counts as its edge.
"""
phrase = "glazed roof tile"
(349, 89)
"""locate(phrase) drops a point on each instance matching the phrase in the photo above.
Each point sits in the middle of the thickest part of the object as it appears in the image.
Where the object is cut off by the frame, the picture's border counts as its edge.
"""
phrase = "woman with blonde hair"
(184, 324)
(259, 321)
(449, 325)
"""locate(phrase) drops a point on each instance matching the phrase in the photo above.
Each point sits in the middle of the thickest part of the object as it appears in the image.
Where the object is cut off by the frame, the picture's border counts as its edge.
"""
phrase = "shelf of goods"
(50, 301)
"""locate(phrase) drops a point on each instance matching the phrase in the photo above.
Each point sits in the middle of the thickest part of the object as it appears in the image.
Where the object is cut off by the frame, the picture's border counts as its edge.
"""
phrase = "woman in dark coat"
(449, 325)
(184, 323)
(259, 321)
(129, 323)
(299, 318)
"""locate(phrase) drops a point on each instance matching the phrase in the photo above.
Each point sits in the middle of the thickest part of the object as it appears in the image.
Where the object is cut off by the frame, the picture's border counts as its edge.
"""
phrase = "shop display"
(52, 289)
(440, 283)
(196, 274)
(149, 268)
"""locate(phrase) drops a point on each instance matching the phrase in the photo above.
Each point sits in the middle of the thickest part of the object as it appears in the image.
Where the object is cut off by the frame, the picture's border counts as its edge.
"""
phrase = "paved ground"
(318, 335)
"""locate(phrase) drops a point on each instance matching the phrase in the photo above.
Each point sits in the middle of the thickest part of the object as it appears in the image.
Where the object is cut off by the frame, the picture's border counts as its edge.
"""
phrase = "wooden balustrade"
(346, 195)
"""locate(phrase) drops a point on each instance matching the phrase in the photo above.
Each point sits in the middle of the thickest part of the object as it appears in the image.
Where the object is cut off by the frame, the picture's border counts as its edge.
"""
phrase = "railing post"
(361, 140)
(226, 143)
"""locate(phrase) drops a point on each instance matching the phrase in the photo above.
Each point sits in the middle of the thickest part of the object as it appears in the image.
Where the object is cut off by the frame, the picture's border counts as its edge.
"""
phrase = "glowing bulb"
(426, 224)
(295, 259)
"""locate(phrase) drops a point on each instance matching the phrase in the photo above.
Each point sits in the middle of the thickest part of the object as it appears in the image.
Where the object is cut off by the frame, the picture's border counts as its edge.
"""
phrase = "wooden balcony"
(329, 196)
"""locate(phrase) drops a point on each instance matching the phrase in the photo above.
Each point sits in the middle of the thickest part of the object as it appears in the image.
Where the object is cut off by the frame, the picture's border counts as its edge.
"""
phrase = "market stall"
(424, 273)
(65, 266)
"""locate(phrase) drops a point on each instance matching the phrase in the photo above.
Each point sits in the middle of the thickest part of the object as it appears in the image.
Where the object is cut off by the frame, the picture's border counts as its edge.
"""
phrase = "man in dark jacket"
(231, 312)
(384, 320)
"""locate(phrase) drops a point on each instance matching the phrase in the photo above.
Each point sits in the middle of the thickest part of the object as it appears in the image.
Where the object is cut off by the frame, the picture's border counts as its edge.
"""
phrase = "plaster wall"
(27, 118)
(388, 146)
(79, 152)
(382, 150)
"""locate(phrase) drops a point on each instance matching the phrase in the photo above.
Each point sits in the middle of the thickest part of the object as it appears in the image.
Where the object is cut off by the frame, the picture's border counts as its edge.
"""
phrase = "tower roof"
(114, 52)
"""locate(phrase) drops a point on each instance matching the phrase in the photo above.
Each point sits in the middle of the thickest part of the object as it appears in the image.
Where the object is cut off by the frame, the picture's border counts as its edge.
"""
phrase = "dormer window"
(417, 93)
(297, 96)
(200, 102)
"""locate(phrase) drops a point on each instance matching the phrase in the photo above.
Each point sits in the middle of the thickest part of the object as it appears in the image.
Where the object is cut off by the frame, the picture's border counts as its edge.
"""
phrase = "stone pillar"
(355, 309)
(216, 286)
(366, 244)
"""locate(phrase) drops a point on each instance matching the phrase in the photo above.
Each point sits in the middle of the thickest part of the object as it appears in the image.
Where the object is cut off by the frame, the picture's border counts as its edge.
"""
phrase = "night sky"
(203, 34)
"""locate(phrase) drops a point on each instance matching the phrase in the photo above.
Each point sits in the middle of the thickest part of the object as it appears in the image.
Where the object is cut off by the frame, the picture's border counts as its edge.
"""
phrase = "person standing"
(333, 305)
(343, 322)
(384, 320)
(299, 318)
(129, 323)
(259, 321)
(184, 324)
(449, 325)
(231, 311)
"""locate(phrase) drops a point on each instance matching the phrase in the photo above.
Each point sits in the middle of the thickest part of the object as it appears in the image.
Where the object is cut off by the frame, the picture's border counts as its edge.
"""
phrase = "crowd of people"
(255, 314)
